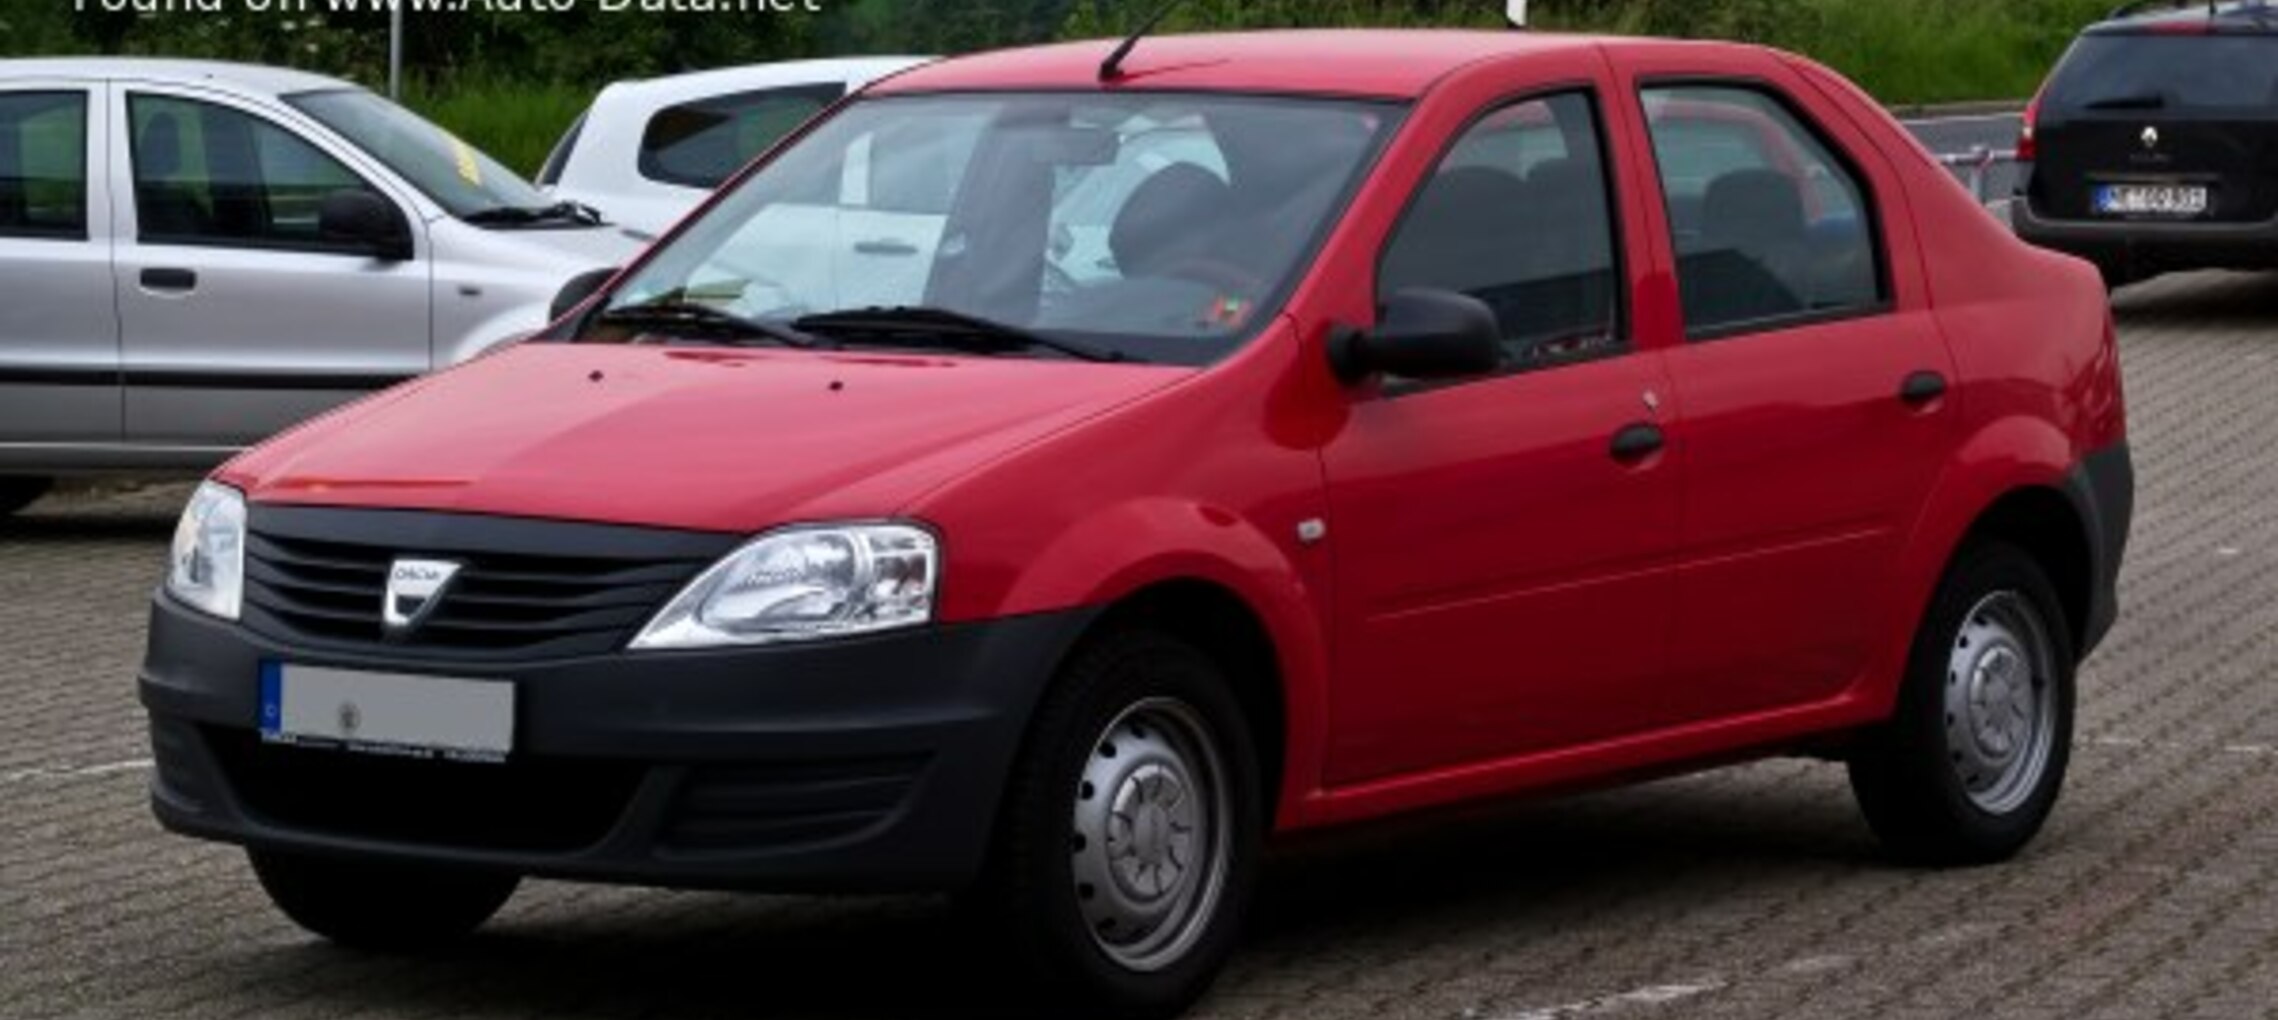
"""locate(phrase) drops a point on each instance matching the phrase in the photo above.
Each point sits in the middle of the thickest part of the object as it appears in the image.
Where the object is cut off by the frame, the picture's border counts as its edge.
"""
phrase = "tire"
(388, 908)
(1969, 767)
(17, 493)
(1097, 916)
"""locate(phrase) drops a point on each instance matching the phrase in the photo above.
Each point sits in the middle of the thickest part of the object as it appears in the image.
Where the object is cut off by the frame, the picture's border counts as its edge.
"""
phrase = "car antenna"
(1112, 68)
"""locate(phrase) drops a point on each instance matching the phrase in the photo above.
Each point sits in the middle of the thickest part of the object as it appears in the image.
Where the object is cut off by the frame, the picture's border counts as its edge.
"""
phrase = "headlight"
(803, 583)
(208, 567)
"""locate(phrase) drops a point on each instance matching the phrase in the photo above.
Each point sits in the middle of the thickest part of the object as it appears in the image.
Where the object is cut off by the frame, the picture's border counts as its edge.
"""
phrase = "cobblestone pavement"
(1754, 892)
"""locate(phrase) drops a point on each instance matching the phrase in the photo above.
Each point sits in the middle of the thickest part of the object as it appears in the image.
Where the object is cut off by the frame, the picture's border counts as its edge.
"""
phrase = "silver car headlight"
(207, 571)
(803, 583)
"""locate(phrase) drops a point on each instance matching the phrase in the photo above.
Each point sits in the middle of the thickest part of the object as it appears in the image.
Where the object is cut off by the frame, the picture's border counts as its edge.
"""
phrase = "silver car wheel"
(2000, 702)
(1151, 838)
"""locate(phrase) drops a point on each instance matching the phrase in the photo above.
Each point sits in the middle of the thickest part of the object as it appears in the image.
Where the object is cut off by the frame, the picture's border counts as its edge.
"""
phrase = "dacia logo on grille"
(415, 588)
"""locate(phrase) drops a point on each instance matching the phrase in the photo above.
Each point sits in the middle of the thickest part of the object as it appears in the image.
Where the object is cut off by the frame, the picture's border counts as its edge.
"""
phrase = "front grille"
(724, 808)
(526, 589)
(525, 804)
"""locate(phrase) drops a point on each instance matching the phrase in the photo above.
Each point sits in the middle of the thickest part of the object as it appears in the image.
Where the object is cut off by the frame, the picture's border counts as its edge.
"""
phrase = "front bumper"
(871, 764)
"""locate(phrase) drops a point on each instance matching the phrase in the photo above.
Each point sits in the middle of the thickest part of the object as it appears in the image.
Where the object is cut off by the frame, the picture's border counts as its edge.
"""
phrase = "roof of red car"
(1363, 62)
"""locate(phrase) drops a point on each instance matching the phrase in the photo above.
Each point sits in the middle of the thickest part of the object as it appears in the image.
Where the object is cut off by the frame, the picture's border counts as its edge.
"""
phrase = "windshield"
(458, 176)
(1159, 227)
(2133, 73)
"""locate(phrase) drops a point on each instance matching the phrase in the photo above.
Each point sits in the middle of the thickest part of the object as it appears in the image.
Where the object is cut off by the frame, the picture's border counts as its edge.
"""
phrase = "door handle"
(175, 281)
(1634, 443)
(1922, 389)
(887, 247)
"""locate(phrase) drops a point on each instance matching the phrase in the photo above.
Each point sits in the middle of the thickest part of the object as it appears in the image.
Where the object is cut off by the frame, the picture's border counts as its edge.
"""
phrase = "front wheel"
(380, 906)
(1969, 768)
(17, 492)
(1129, 840)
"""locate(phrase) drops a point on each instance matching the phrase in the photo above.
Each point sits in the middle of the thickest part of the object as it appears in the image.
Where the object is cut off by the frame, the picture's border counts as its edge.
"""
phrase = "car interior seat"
(1467, 233)
(164, 207)
(1754, 253)
(1170, 217)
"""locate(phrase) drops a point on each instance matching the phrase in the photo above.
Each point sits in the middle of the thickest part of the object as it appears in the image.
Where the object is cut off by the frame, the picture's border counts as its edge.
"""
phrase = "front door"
(238, 318)
(59, 333)
(1503, 577)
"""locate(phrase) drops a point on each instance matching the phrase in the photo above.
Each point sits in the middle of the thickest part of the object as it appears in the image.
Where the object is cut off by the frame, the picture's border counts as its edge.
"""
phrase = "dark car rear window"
(2168, 72)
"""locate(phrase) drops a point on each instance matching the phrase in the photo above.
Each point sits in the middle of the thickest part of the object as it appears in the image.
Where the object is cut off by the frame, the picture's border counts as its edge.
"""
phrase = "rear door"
(237, 317)
(1811, 382)
(59, 332)
(2161, 126)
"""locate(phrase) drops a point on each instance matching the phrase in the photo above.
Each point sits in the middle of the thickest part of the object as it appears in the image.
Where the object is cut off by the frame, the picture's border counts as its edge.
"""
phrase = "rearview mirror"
(574, 293)
(361, 219)
(1422, 333)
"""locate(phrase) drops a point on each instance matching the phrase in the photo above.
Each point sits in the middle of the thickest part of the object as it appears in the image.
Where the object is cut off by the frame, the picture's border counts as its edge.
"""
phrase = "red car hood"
(701, 439)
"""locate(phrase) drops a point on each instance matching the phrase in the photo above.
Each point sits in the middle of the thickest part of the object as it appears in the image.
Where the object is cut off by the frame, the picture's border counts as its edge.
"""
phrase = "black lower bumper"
(2103, 492)
(2138, 248)
(871, 764)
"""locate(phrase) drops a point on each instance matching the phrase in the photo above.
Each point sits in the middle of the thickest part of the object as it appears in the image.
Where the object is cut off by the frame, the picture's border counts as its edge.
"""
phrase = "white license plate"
(387, 713)
(2152, 199)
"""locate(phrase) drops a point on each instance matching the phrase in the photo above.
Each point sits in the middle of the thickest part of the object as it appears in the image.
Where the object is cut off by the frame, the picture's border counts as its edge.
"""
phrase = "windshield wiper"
(524, 215)
(2139, 101)
(688, 315)
(948, 328)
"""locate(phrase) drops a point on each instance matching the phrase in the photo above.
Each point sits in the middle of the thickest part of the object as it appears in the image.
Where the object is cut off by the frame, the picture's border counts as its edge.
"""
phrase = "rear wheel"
(17, 493)
(380, 906)
(1129, 839)
(1968, 769)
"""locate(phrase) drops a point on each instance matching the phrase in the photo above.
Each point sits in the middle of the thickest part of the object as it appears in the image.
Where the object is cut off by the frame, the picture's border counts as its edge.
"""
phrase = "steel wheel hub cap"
(2000, 702)
(1149, 840)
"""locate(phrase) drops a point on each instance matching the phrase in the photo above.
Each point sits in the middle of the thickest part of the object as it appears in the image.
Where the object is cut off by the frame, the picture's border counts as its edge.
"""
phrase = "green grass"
(516, 122)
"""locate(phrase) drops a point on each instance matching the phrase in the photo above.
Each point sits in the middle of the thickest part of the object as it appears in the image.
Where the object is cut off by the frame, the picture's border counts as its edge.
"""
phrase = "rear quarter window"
(701, 144)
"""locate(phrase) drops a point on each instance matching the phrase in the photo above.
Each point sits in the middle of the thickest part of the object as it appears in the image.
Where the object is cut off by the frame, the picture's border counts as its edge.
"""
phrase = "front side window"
(208, 174)
(1517, 215)
(1769, 225)
(1162, 226)
(701, 144)
(43, 164)
(462, 179)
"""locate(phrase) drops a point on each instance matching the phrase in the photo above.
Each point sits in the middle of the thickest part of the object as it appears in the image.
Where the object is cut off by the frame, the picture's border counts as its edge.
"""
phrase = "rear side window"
(1770, 226)
(1518, 216)
(43, 164)
(701, 144)
(2138, 73)
(209, 174)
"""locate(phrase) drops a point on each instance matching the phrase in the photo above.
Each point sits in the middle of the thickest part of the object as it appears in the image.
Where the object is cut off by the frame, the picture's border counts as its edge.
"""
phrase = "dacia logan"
(1428, 418)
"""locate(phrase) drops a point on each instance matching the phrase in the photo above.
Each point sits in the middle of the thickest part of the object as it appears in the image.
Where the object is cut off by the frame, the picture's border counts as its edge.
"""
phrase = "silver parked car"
(195, 255)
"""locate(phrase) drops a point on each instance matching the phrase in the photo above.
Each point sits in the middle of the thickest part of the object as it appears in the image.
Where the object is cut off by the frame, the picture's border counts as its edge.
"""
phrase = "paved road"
(1748, 893)
(1958, 135)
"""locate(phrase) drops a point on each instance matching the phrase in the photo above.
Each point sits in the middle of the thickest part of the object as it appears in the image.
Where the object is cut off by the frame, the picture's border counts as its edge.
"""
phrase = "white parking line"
(67, 772)
(1650, 995)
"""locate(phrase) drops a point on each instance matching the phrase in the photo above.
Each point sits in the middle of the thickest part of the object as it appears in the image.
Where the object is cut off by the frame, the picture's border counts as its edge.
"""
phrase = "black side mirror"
(1422, 333)
(574, 293)
(357, 218)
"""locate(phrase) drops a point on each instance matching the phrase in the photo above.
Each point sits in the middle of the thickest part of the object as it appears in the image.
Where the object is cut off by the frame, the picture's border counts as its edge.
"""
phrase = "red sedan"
(1051, 476)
